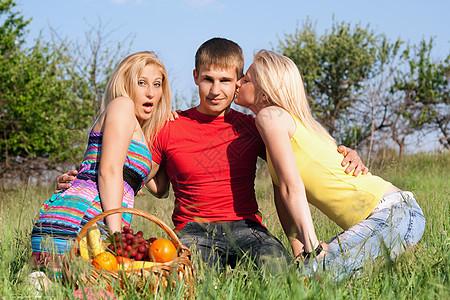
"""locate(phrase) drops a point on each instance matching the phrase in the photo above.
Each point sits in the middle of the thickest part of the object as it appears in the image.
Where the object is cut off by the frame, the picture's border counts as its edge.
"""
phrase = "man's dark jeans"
(225, 243)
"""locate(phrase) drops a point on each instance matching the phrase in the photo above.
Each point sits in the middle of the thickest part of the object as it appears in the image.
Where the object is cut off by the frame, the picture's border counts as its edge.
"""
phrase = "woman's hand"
(324, 250)
(353, 160)
(65, 180)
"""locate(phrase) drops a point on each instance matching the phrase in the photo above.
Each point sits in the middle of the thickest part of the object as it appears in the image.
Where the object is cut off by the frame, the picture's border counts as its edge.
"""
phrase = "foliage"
(12, 28)
(49, 94)
(367, 90)
(423, 93)
(335, 67)
(38, 107)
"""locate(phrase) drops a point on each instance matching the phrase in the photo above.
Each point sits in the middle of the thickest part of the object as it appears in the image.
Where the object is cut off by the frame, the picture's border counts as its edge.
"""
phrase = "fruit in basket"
(124, 262)
(142, 264)
(84, 252)
(95, 240)
(162, 250)
(130, 244)
(105, 260)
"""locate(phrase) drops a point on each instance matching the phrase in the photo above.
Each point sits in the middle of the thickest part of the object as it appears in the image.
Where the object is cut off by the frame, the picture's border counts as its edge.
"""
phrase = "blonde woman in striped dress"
(117, 162)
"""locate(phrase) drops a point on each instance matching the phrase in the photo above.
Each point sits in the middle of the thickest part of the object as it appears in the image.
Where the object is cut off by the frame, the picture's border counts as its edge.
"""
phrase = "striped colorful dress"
(63, 215)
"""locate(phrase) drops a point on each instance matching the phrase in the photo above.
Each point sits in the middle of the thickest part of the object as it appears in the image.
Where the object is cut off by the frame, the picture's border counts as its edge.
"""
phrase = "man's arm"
(354, 162)
(159, 183)
(65, 180)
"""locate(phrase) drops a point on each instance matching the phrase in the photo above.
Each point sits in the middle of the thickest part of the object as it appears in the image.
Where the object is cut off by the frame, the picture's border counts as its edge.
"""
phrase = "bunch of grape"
(130, 244)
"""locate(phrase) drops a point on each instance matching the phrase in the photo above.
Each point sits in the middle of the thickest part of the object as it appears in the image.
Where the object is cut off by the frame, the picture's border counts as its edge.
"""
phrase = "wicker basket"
(160, 276)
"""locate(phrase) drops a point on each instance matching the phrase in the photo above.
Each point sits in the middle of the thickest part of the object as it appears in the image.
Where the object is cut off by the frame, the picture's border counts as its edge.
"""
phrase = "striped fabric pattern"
(63, 215)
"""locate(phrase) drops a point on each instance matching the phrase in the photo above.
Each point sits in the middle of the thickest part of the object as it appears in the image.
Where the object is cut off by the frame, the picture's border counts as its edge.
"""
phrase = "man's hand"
(173, 115)
(65, 180)
(353, 160)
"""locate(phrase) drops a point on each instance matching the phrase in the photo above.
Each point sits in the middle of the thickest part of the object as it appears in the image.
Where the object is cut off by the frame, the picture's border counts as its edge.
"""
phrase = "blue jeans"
(389, 230)
(220, 244)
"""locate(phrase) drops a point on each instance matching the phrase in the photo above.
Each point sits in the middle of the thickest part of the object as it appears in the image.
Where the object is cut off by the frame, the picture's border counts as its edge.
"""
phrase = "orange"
(105, 260)
(162, 250)
(124, 262)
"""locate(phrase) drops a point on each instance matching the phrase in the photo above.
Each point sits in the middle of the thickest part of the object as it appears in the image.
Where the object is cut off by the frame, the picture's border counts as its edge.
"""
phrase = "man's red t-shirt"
(211, 163)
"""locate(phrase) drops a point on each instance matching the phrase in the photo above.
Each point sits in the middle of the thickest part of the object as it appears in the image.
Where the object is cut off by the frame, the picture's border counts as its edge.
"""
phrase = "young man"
(209, 154)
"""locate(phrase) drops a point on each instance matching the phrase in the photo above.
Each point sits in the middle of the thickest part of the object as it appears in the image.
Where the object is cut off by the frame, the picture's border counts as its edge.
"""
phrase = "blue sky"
(174, 29)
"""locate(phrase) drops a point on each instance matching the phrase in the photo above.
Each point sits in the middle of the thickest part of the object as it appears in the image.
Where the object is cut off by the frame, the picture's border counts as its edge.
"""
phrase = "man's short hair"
(220, 53)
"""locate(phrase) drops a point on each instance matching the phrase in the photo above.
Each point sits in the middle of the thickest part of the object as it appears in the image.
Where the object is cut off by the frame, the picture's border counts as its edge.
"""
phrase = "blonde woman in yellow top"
(306, 168)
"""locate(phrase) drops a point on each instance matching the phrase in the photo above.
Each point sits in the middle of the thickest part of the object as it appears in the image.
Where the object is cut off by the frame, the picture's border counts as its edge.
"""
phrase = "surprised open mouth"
(148, 106)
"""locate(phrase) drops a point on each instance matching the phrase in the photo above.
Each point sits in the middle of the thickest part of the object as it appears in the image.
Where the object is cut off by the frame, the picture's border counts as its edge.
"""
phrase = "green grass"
(420, 273)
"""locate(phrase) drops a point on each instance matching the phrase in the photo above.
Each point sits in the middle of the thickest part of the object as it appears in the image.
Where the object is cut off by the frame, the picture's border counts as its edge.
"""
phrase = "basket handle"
(133, 211)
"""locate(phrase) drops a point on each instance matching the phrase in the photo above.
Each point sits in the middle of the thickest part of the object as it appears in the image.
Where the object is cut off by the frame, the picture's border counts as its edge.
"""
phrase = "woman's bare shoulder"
(120, 102)
(271, 115)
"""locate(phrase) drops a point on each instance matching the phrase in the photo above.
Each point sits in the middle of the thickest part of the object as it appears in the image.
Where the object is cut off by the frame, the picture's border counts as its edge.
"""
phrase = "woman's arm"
(288, 225)
(118, 128)
(276, 127)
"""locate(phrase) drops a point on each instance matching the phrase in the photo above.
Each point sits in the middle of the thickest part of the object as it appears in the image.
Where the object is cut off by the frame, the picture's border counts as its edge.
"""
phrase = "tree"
(47, 102)
(423, 94)
(93, 60)
(335, 67)
(12, 30)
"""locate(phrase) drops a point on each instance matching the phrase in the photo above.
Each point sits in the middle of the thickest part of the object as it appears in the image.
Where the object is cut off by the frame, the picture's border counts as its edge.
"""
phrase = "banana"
(138, 264)
(95, 241)
(84, 252)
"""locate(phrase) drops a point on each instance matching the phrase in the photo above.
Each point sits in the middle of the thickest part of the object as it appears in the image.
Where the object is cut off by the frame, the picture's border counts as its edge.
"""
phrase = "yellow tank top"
(345, 199)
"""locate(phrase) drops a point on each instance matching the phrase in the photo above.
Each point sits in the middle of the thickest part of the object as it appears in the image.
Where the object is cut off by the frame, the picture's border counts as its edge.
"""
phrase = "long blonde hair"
(123, 81)
(278, 78)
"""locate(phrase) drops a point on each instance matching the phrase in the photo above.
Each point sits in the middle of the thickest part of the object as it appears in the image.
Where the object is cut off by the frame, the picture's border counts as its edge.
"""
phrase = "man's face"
(216, 89)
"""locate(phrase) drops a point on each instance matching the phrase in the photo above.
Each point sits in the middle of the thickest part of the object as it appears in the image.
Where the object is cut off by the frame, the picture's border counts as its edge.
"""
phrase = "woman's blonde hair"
(279, 81)
(125, 78)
